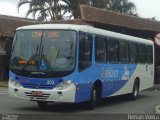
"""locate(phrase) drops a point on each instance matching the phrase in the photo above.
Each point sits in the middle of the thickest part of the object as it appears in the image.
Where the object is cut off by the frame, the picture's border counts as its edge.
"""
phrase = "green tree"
(121, 6)
(73, 6)
(98, 3)
(44, 10)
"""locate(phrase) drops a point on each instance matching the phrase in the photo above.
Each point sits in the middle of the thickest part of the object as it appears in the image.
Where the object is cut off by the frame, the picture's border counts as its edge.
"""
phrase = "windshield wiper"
(56, 57)
(34, 56)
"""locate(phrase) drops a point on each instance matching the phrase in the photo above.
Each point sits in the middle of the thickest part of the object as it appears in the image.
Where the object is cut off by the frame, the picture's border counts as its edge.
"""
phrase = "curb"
(157, 109)
(3, 84)
(156, 87)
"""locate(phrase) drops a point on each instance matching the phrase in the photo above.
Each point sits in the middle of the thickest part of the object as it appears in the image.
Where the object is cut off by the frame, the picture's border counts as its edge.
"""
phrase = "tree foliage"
(98, 3)
(121, 6)
(73, 6)
(45, 10)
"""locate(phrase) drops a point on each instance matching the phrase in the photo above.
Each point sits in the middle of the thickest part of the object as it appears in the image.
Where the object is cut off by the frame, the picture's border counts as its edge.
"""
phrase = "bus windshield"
(43, 52)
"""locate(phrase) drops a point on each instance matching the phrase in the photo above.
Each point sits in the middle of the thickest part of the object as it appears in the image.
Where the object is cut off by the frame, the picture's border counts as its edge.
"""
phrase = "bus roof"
(55, 26)
(88, 29)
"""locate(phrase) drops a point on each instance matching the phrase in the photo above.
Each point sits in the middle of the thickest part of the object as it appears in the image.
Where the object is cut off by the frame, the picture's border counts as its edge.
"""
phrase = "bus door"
(112, 68)
(85, 75)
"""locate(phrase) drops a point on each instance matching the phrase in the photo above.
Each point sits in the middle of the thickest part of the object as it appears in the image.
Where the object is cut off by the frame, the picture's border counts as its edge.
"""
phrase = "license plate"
(37, 93)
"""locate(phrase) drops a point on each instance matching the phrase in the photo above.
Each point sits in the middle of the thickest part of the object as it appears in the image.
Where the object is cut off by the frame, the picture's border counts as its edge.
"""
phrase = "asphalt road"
(119, 106)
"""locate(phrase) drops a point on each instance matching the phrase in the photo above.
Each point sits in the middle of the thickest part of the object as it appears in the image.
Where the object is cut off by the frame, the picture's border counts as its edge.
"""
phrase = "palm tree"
(121, 6)
(44, 10)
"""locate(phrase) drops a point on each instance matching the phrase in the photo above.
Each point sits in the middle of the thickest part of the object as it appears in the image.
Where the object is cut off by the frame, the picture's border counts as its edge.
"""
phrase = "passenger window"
(85, 51)
(133, 48)
(124, 52)
(149, 54)
(100, 49)
(142, 53)
(113, 50)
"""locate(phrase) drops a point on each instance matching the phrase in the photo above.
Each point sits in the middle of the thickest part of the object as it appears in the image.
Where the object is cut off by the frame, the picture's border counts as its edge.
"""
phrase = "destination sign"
(50, 34)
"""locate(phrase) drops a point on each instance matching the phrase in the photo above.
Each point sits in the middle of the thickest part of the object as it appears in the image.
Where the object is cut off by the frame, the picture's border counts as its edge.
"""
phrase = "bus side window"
(85, 51)
(142, 53)
(149, 54)
(100, 49)
(133, 48)
(113, 50)
(124, 57)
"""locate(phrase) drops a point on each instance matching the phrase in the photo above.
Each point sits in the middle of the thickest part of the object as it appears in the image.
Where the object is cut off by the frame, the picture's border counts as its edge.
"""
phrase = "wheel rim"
(94, 96)
(135, 91)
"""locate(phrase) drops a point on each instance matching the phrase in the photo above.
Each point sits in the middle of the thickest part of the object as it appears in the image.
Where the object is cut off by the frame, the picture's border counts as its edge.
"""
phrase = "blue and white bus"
(77, 63)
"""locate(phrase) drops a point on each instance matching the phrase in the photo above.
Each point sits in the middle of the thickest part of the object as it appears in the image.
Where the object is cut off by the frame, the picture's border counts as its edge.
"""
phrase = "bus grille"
(38, 86)
(42, 97)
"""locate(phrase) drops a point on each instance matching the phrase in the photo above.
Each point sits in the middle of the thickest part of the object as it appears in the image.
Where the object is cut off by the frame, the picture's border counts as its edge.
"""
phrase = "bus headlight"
(63, 85)
(15, 83)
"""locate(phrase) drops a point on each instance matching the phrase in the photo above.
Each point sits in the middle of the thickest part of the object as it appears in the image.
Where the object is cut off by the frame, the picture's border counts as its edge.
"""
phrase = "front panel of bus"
(39, 63)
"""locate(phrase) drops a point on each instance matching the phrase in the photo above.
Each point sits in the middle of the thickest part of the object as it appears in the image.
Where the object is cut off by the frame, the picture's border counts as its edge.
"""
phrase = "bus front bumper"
(67, 95)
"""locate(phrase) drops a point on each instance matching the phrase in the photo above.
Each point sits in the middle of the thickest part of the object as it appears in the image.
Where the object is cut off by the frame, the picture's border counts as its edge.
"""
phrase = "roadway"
(119, 106)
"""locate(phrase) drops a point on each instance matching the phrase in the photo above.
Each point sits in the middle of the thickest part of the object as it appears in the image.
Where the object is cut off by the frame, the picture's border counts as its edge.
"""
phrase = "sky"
(9, 7)
(145, 8)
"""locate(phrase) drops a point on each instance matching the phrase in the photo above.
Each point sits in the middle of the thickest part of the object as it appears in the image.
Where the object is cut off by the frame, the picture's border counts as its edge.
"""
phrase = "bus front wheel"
(93, 99)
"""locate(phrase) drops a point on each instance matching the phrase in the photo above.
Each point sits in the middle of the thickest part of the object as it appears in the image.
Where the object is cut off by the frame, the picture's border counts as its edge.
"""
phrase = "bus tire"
(133, 96)
(42, 104)
(93, 99)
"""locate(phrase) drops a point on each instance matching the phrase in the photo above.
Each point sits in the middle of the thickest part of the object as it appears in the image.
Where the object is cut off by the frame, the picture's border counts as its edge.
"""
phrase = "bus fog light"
(63, 85)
